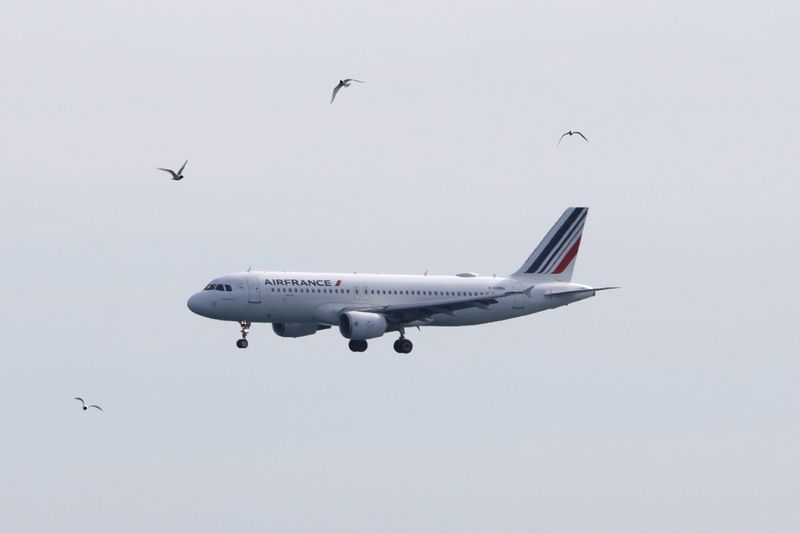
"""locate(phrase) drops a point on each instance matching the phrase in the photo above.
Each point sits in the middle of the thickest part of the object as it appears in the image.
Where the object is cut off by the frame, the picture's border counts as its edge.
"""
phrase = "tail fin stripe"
(568, 258)
(556, 238)
(565, 244)
(562, 250)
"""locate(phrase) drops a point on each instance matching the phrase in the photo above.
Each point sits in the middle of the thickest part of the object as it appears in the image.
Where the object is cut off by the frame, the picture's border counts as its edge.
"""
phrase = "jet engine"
(296, 329)
(359, 325)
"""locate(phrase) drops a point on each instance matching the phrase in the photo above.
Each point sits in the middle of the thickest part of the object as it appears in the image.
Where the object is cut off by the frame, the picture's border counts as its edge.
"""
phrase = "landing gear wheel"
(242, 343)
(403, 345)
(357, 346)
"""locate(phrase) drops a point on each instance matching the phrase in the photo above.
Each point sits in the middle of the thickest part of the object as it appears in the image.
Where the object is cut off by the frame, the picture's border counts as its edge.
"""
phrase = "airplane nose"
(194, 304)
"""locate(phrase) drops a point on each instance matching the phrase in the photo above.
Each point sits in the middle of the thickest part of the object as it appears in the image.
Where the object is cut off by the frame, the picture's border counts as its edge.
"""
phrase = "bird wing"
(81, 400)
(559, 139)
(349, 80)
(168, 170)
(96, 407)
(184, 166)
(581, 134)
(336, 90)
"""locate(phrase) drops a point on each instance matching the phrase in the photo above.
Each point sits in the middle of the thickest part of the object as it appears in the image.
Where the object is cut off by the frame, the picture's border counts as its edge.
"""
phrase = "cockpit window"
(218, 287)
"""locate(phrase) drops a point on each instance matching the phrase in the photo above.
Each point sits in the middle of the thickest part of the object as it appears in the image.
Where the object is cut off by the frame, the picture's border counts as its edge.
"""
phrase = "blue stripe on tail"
(571, 220)
(562, 247)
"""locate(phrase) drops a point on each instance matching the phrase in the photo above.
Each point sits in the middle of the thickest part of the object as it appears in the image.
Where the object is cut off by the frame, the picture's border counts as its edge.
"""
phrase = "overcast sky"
(670, 405)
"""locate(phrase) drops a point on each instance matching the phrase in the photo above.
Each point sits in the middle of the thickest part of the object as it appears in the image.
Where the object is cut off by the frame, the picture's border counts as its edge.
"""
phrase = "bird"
(343, 83)
(571, 133)
(177, 176)
(85, 407)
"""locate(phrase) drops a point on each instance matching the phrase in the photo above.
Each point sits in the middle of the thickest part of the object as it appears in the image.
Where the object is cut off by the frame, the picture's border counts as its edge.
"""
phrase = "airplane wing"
(421, 311)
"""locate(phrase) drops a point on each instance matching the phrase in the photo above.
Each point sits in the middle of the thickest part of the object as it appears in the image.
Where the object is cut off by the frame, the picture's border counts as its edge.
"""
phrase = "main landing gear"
(403, 345)
(242, 343)
(358, 346)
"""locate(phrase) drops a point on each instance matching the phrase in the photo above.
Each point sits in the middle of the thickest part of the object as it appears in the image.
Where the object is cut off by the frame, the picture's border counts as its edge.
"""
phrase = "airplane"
(367, 306)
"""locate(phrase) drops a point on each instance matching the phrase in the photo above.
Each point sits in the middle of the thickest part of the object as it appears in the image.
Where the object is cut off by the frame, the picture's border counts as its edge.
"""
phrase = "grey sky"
(671, 405)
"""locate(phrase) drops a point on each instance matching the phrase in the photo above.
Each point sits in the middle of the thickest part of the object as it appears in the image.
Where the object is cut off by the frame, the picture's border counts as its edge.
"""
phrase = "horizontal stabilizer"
(560, 292)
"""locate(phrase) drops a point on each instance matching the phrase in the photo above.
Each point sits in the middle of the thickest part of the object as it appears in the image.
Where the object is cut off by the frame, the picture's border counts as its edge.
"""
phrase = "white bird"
(83, 404)
(177, 176)
(343, 83)
(571, 133)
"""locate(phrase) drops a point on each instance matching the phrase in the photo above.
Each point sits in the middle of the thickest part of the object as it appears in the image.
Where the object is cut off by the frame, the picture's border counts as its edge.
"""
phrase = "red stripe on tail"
(569, 257)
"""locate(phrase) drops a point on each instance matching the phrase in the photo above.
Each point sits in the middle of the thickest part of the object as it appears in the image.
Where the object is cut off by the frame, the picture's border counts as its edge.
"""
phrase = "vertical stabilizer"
(555, 256)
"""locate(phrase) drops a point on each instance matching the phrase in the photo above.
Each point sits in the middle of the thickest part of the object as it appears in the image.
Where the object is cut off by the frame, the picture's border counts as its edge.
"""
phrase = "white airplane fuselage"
(294, 297)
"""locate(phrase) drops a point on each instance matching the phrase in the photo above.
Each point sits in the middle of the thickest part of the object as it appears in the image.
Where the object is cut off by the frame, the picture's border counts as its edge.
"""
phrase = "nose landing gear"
(242, 343)
(403, 345)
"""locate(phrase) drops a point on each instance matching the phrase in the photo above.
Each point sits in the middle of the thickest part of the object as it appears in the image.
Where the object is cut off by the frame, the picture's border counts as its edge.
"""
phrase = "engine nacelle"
(359, 326)
(296, 329)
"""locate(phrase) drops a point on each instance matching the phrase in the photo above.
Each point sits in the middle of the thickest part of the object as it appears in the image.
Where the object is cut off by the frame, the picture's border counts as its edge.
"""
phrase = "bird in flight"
(177, 176)
(571, 133)
(85, 407)
(343, 83)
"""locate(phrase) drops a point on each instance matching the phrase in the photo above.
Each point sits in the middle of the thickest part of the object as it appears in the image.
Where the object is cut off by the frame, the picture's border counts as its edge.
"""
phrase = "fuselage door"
(253, 290)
